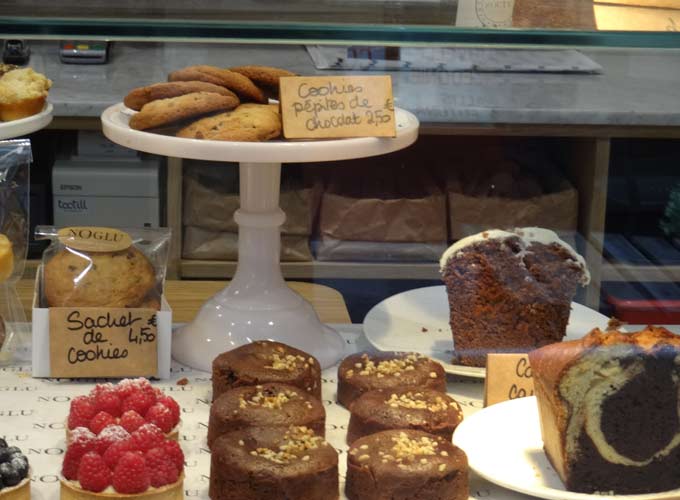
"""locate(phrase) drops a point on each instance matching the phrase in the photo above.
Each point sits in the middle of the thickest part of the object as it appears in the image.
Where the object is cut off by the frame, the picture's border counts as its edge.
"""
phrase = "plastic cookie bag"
(15, 332)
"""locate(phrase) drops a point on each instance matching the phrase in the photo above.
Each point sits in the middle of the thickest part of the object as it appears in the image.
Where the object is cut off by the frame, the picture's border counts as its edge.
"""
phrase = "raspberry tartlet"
(118, 464)
(15, 483)
(131, 403)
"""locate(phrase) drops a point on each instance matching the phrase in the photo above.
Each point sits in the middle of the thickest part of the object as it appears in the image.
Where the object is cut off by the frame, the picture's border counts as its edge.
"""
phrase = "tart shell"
(174, 491)
(21, 491)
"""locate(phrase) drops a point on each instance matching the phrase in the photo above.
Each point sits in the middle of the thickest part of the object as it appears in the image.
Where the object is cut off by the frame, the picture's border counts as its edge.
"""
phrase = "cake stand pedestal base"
(257, 304)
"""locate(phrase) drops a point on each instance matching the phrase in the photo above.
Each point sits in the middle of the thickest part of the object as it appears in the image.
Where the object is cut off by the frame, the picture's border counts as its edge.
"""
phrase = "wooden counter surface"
(186, 297)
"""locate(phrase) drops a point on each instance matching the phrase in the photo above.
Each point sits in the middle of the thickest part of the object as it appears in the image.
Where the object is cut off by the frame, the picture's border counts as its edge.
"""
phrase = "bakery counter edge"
(636, 87)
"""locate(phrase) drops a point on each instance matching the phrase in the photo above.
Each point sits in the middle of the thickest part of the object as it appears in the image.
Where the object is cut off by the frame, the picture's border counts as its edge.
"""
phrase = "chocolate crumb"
(183, 381)
(423, 329)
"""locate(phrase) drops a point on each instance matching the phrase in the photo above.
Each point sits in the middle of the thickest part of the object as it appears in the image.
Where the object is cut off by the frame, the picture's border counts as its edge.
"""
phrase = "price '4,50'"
(144, 336)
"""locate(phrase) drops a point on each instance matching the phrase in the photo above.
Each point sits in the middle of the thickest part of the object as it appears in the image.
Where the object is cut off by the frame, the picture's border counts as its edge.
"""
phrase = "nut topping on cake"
(268, 400)
(296, 440)
(392, 367)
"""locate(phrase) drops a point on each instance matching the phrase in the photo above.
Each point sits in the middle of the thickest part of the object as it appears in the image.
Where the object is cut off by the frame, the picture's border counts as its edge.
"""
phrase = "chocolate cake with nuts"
(407, 408)
(270, 404)
(406, 464)
(265, 361)
(608, 405)
(363, 372)
(509, 291)
(268, 463)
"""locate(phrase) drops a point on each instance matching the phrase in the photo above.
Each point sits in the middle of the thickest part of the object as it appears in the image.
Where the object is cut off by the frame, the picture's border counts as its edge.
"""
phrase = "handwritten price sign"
(93, 342)
(337, 106)
(508, 376)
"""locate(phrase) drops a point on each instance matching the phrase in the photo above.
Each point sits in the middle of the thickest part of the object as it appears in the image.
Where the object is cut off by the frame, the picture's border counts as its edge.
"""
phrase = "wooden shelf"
(636, 273)
(197, 269)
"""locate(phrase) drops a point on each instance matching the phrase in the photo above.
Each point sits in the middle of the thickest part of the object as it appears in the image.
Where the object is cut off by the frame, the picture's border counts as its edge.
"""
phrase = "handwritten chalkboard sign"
(337, 106)
(508, 376)
(101, 342)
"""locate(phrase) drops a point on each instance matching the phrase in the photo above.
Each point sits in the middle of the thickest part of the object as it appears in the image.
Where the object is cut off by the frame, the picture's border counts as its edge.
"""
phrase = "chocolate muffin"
(264, 361)
(406, 464)
(407, 408)
(271, 405)
(363, 372)
(267, 463)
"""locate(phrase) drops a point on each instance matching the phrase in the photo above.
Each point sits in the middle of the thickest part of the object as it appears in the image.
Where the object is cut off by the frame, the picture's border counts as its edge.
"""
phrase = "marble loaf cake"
(608, 405)
(509, 291)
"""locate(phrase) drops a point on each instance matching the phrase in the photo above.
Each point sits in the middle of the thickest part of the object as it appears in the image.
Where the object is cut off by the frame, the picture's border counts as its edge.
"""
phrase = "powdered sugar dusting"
(114, 433)
(134, 383)
(80, 434)
(103, 387)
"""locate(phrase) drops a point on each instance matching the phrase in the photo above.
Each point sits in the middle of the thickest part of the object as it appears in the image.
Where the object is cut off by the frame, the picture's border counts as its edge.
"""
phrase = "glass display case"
(556, 114)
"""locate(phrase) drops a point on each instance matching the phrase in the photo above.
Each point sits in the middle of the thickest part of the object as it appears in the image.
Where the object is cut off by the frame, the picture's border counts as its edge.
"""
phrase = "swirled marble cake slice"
(609, 410)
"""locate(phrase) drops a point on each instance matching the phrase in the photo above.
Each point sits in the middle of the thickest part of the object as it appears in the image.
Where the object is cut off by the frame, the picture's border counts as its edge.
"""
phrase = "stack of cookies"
(207, 102)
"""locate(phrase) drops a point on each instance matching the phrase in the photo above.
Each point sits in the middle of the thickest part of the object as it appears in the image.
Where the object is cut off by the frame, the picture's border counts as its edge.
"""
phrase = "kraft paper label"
(337, 106)
(103, 342)
(508, 376)
(94, 239)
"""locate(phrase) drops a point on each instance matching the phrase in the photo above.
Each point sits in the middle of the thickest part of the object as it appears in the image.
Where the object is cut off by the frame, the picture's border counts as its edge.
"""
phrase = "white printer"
(118, 192)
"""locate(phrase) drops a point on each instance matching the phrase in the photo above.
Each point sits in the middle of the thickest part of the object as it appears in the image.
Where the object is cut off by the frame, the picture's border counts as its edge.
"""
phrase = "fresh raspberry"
(101, 388)
(109, 402)
(161, 416)
(162, 470)
(115, 451)
(101, 420)
(109, 435)
(129, 386)
(171, 405)
(139, 402)
(82, 441)
(131, 420)
(82, 411)
(146, 437)
(131, 474)
(93, 474)
(173, 450)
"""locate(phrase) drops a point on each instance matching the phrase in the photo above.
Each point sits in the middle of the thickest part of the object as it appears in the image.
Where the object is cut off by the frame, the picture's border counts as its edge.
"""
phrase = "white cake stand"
(257, 304)
(28, 125)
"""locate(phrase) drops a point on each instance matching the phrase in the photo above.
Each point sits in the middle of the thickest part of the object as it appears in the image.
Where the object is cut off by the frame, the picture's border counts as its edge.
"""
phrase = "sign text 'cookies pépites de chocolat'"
(508, 376)
(337, 106)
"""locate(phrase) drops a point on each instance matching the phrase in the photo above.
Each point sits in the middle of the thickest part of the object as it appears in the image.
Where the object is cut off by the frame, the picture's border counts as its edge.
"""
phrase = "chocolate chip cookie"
(98, 279)
(163, 112)
(140, 96)
(248, 123)
(266, 77)
(236, 82)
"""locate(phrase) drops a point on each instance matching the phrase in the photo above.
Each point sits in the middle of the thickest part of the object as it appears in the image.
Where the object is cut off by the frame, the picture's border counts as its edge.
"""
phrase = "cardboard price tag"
(101, 342)
(508, 376)
(337, 106)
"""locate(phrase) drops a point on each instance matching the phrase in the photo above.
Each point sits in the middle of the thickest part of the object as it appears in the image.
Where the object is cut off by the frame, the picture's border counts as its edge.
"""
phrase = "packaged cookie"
(103, 267)
(99, 309)
(15, 159)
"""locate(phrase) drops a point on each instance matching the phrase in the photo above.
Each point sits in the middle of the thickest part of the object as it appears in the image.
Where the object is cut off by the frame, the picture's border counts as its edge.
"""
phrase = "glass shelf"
(613, 23)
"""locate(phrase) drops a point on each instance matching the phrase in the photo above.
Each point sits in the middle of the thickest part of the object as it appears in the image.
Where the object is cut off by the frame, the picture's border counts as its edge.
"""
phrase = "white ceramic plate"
(503, 445)
(115, 127)
(24, 126)
(418, 321)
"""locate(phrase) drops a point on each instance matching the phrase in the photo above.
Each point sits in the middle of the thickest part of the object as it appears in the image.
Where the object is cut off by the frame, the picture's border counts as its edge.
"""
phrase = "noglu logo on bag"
(94, 239)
